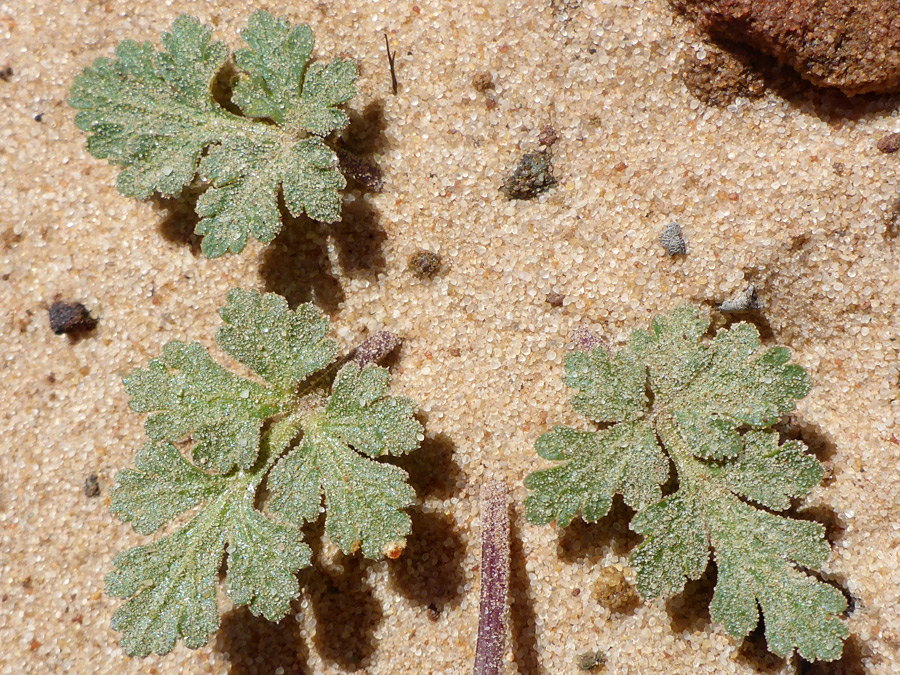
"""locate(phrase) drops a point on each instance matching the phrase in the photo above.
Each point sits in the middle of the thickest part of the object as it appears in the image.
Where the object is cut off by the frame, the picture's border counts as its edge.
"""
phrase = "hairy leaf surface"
(243, 432)
(711, 405)
(364, 498)
(153, 113)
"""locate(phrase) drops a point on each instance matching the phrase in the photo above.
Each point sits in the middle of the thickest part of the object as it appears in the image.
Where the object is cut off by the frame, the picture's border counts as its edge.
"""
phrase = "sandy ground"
(786, 190)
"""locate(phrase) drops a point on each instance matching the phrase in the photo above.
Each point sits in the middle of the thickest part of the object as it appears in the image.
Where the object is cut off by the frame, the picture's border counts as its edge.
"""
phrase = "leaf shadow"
(430, 570)
(346, 611)
(180, 219)
(592, 541)
(296, 266)
(256, 646)
(689, 610)
(754, 652)
(522, 616)
(365, 134)
(432, 469)
(850, 663)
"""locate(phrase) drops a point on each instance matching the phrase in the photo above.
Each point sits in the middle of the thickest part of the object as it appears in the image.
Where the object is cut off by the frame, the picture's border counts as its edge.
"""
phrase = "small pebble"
(889, 143)
(612, 589)
(744, 301)
(91, 486)
(363, 171)
(555, 299)
(375, 348)
(424, 264)
(672, 240)
(548, 136)
(591, 662)
(70, 317)
(532, 176)
(482, 82)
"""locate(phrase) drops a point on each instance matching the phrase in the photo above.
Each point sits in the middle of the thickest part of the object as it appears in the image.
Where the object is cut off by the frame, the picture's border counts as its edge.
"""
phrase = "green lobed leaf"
(152, 112)
(756, 553)
(610, 390)
(327, 85)
(170, 585)
(362, 415)
(190, 394)
(676, 547)
(281, 345)
(163, 485)
(624, 459)
(273, 67)
(711, 405)
(364, 498)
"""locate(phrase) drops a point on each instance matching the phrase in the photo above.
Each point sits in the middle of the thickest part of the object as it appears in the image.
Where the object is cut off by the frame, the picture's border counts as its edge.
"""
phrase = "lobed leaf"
(364, 499)
(281, 345)
(624, 459)
(190, 394)
(609, 390)
(152, 112)
(710, 409)
(169, 586)
(273, 67)
(162, 486)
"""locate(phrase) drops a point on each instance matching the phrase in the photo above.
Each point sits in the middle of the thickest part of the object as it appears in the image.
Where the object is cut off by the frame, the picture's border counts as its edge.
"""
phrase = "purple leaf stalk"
(494, 608)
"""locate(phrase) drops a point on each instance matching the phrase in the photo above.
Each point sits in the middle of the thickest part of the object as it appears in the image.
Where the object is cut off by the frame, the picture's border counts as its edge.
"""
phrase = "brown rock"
(854, 46)
(889, 143)
(721, 76)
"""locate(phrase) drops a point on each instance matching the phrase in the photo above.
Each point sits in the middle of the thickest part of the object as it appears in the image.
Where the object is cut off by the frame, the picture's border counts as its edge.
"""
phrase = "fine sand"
(786, 190)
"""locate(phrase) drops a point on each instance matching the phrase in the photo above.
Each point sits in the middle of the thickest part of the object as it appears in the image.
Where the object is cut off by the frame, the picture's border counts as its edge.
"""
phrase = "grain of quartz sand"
(852, 45)
(755, 185)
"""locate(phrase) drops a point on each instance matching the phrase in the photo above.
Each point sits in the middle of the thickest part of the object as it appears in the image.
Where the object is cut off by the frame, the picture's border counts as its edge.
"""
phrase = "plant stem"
(494, 609)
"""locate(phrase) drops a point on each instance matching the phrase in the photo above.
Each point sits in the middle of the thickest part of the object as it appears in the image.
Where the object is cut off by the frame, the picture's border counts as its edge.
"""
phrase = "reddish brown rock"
(890, 143)
(854, 46)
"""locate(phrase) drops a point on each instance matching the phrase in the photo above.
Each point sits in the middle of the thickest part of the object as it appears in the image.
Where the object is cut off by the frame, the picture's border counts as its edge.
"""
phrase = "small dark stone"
(365, 172)
(548, 136)
(482, 82)
(532, 176)
(591, 662)
(91, 486)
(745, 301)
(39, 117)
(375, 348)
(424, 264)
(6, 72)
(70, 317)
(433, 612)
(672, 240)
(555, 299)
(889, 143)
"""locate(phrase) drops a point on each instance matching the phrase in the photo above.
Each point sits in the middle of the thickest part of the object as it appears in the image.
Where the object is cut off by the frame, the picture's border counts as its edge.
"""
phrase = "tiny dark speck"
(592, 51)
(91, 486)
(39, 117)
